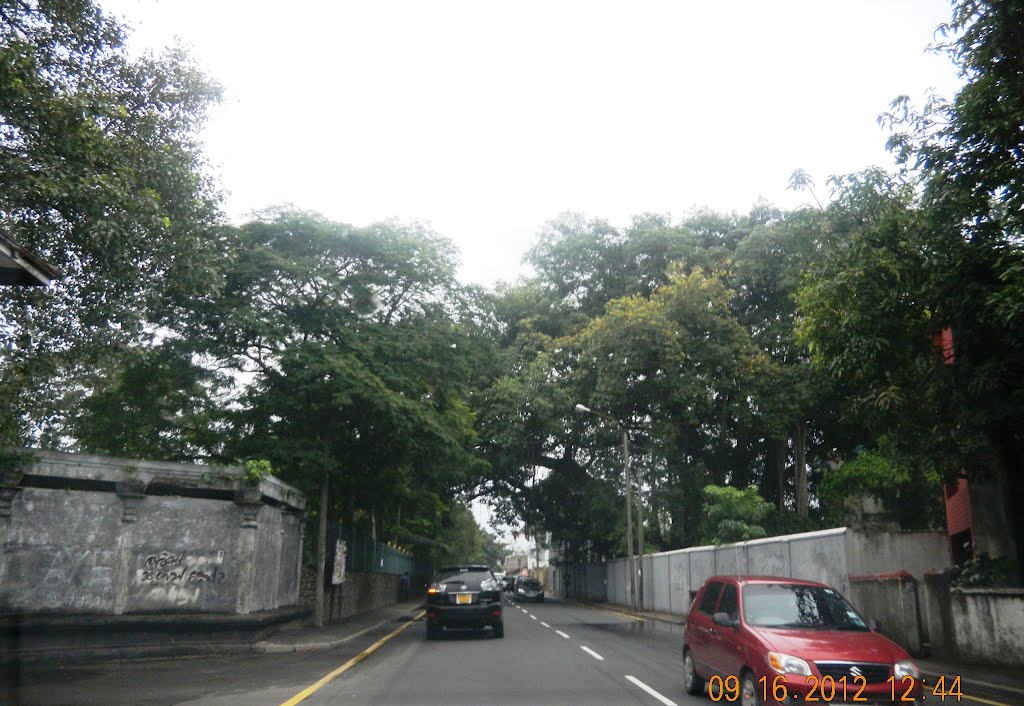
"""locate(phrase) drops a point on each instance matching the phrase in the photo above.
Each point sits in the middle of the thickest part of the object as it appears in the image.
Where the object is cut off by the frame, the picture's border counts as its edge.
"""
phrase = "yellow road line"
(348, 665)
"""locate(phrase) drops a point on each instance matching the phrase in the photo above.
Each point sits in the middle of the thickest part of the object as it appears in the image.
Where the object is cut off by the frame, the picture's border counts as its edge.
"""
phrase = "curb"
(272, 647)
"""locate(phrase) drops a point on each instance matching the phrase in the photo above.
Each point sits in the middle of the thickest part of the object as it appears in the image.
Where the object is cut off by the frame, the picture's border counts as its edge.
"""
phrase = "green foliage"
(984, 571)
(358, 352)
(463, 540)
(256, 470)
(154, 403)
(15, 460)
(869, 473)
(733, 515)
(104, 178)
(911, 494)
(907, 267)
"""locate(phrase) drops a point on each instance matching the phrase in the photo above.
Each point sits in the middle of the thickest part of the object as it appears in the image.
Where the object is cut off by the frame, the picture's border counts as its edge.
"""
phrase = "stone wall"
(105, 536)
(360, 592)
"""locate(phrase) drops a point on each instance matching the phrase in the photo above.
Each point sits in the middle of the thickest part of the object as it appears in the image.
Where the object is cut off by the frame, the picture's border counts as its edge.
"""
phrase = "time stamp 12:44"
(830, 690)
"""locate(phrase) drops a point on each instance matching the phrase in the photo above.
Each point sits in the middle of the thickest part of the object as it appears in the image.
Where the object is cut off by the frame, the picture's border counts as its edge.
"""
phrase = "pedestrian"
(403, 588)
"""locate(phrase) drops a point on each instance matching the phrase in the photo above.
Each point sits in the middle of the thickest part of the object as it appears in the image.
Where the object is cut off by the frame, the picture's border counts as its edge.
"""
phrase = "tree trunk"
(1011, 456)
(800, 475)
(775, 473)
(321, 556)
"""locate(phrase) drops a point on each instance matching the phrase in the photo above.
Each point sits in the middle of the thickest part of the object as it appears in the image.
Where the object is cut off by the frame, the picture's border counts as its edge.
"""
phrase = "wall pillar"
(130, 493)
(10, 486)
(249, 503)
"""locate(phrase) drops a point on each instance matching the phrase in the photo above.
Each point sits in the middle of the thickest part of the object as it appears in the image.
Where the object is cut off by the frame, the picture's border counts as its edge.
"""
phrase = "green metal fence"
(362, 553)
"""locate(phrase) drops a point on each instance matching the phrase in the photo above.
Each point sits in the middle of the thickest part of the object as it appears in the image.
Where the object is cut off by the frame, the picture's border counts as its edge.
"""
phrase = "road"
(552, 653)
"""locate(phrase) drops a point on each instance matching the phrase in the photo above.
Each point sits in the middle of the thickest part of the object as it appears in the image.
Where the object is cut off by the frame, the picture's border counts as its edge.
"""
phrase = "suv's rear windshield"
(469, 575)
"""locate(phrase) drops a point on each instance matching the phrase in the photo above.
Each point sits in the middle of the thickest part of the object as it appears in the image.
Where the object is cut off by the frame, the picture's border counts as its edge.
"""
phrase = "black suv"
(464, 596)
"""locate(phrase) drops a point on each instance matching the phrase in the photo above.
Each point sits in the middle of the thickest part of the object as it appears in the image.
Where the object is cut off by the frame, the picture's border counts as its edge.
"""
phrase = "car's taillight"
(433, 590)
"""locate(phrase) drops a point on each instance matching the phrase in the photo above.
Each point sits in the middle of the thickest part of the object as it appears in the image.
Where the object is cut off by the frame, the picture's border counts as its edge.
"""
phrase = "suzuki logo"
(855, 672)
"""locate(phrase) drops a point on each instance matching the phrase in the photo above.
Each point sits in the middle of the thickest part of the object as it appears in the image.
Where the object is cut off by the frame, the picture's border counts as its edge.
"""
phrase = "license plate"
(463, 598)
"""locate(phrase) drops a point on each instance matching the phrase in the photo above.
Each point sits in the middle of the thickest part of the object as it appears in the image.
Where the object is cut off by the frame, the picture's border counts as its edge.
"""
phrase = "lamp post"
(630, 564)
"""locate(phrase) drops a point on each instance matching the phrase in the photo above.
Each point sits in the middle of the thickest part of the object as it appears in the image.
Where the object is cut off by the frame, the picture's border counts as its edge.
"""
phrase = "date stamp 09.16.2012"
(828, 690)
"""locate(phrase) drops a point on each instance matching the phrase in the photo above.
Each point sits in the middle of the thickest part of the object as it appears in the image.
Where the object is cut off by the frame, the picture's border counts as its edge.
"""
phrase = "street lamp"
(630, 563)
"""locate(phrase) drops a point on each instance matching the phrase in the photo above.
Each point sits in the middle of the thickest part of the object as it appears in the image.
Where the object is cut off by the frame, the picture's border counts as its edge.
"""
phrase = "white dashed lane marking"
(562, 634)
(591, 653)
(544, 624)
(649, 690)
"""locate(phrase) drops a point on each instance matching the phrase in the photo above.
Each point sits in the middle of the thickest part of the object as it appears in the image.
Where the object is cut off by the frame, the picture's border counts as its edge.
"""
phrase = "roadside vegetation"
(766, 366)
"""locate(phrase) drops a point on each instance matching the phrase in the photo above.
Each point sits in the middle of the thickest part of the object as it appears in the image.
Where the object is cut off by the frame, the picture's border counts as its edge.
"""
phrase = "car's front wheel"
(748, 689)
(691, 681)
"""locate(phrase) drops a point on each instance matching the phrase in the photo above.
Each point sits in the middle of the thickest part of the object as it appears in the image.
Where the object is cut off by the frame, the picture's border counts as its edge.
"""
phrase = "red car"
(768, 640)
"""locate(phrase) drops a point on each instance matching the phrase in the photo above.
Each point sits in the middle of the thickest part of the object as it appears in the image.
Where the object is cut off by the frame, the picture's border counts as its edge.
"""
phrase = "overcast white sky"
(486, 119)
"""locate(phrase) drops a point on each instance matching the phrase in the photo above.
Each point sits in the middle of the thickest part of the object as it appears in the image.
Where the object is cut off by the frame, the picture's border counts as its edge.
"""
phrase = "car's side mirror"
(724, 620)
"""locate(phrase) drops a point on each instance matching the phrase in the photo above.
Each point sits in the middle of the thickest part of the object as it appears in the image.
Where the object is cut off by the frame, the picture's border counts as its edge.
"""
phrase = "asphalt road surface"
(552, 653)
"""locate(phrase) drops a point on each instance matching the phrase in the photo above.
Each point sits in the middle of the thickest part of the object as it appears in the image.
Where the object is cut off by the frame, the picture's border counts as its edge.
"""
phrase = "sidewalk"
(305, 638)
(987, 684)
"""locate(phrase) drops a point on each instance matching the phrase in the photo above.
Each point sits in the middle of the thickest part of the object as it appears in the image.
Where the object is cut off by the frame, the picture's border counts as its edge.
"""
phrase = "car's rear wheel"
(433, 631)
(748, 689)
(691, 681)
(499, 630)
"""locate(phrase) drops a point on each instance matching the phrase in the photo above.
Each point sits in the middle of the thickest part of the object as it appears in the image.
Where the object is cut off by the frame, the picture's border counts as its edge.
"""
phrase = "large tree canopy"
(101, 174)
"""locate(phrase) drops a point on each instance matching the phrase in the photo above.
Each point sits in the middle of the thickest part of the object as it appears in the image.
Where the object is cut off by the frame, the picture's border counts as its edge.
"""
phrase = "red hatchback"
(767, 640)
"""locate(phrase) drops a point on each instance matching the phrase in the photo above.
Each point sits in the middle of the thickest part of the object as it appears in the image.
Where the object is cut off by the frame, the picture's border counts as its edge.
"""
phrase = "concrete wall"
(892, 601)
(916, 552)
(832, 556)
(988, 625)
(105, 536)
(837, 557)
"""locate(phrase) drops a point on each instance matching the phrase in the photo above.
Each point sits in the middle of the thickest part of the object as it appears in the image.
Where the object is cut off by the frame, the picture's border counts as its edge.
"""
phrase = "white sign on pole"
(340, 551)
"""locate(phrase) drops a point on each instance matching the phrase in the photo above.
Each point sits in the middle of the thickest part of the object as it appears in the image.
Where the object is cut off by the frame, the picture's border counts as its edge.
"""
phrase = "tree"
(357, 349)
(462, 540)
(103, 176)
(910, 491)
(733, 514)
(678, 368)
(954, 262)
(153, 403)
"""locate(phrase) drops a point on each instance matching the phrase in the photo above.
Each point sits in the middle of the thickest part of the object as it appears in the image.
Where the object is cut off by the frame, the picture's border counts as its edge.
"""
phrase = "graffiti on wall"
(170, 567)
(177, 577)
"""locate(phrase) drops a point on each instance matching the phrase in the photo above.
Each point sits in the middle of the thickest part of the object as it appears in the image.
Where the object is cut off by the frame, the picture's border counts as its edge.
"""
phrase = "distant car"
(783, 638)
(464, 596)
(508, 584)
(528, 588)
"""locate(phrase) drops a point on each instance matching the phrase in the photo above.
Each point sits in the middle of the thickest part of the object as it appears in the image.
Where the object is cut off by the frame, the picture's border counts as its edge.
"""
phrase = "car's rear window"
(529, 583)
(471, 576)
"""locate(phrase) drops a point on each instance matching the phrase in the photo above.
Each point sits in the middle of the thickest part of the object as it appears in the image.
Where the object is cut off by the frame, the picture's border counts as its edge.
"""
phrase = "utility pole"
(630, 560)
